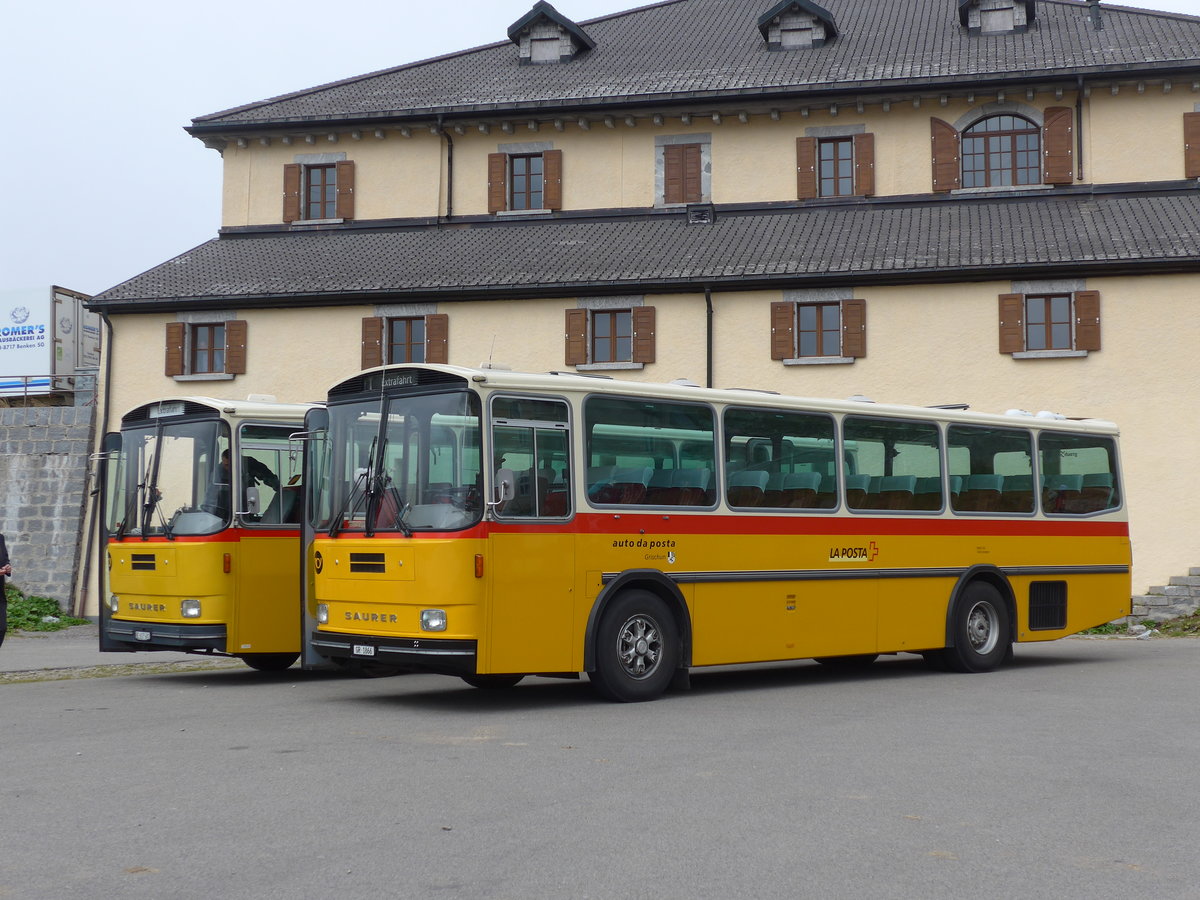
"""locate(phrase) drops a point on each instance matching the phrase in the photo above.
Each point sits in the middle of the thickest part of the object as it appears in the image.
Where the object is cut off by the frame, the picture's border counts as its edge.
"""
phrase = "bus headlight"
(433, 620)
(322, 613)
(114, 604)
(190, 609)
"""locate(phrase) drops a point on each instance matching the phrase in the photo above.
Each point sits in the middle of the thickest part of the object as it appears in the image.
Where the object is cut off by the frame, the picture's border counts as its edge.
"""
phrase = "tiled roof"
(1075, 232)
(692, 50)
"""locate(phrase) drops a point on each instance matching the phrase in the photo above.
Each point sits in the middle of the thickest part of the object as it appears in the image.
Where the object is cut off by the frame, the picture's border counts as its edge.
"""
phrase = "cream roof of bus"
(559, 382)
(242, 409)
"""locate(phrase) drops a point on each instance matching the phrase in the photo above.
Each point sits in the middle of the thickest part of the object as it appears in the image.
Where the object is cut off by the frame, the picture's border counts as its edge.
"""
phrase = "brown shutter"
(673, 173)
(235, 347)
(1191, 145)
(1057, 140)
(643, 334)
(344, 207)
(497, 182)
(854, 328)
(806, 168)
(437, 332)
(946, 170)
(1012, 323)
(552, 179)
(864, 164)
(291, 192)
(692, 177)
(783, 323)
(1087, 320)
(372, 342)
(176, 334)
(576, 340)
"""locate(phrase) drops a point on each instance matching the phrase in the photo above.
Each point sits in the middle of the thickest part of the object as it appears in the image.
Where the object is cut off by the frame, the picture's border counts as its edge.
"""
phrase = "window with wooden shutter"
(1058, 130)
(1087, 320)
(1012, 323)
(552, 179)
(944, 139)
(176, 335)
(682, 173)
(1051, 323)
(235, 347)
(344, 205)
(806, 169)
(854, 328)
(372, 342)
(292, 176)
(643, 334)
(497, 182)
(864, 165)
(576, 337)
(1191, 145)
(437, 332)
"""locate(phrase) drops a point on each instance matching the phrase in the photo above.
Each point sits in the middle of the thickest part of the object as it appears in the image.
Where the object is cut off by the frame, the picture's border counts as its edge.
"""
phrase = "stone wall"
(1181, 597)
(43, 491)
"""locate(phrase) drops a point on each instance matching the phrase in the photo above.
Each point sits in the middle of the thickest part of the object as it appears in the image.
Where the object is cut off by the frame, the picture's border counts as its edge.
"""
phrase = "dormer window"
(544, 35)
(996, 16)
(795, 25)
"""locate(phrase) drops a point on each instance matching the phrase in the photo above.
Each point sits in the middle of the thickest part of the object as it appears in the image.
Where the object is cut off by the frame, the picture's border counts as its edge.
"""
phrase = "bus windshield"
(170, 479)
(400, 463)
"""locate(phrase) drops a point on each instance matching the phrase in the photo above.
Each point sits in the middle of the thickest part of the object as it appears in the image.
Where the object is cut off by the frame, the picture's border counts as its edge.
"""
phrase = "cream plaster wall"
(1136, 137)
(752, 162)
(395, 177)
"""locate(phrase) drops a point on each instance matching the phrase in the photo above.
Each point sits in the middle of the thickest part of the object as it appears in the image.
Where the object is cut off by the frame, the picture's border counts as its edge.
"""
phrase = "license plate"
(364, 650)
(141, 635)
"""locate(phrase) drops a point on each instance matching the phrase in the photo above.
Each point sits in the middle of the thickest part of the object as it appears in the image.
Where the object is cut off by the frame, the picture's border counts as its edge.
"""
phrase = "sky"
(99, 93)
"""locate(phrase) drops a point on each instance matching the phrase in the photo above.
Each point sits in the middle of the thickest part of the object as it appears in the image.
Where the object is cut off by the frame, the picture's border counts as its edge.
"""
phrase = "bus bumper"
(443, 656)
(160, 636)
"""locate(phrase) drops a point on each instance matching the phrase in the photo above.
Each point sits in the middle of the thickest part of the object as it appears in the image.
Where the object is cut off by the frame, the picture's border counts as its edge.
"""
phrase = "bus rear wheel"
(981, 629)
(637, 648)
(493, 682)
(270, 662)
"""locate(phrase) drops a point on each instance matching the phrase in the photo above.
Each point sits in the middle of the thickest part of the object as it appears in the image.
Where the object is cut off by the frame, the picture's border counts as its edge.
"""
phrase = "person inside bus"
(254, 471)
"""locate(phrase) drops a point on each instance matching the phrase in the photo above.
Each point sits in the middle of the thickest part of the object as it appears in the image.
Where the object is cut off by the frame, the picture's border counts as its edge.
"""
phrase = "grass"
(1184, 626)
(36, 613)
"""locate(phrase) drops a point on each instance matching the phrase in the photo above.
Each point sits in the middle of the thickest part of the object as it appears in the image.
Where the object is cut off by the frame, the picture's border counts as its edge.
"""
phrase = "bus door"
(316, 474)
(531, 613)
(268, 503)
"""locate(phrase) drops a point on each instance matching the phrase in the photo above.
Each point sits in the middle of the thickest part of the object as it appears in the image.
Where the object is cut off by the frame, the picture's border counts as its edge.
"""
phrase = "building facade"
(991, 202)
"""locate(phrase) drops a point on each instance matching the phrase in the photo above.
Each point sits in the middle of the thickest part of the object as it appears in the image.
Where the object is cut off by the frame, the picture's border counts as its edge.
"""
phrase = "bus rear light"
(228, 563)
(478, 565)
(190, 609)
(322, 614)
(433, 620)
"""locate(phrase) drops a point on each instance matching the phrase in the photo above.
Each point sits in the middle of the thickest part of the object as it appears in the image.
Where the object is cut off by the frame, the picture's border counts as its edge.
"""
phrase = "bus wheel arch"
(980, 622)
(637, 604)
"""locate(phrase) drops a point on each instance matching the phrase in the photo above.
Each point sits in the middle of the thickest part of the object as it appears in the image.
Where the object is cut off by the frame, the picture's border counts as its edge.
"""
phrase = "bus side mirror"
(506, 487)
(253, 504)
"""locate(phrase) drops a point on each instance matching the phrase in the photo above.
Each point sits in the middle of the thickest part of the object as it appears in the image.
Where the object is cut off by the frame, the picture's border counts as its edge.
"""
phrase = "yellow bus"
(491, 525)
(202, 508)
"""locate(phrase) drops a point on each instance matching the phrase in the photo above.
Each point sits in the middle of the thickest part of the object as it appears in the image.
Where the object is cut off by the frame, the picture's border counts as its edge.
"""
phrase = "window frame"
(786, 334)
(409, 345)
(1084, 322)
(837, 184)
(206, 357)
(989, 172)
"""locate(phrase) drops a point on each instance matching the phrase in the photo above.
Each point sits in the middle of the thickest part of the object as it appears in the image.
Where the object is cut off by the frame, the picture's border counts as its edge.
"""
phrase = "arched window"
(1001, 150)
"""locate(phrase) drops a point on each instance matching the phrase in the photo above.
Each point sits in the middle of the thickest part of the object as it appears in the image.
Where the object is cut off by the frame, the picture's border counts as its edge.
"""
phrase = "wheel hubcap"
(639, 646)
(982, 630)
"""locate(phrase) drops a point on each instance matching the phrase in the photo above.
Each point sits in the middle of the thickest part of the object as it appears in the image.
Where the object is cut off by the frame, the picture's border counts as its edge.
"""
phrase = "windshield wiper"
(352, 499)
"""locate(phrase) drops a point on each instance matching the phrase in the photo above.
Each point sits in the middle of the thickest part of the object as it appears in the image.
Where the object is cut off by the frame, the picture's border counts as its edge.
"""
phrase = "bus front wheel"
(637, 648)
(270, 662)
(981, 628)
